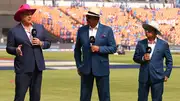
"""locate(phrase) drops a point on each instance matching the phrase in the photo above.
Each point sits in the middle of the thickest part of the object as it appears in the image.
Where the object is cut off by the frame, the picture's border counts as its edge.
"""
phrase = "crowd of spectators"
(125, 21)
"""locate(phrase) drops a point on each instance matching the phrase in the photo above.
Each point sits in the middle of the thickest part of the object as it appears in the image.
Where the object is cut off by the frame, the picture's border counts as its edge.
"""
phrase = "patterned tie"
(29, 35)
(30, 38)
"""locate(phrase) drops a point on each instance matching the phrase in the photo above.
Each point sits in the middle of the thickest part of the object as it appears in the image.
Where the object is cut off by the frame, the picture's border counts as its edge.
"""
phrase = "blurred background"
(62, 18)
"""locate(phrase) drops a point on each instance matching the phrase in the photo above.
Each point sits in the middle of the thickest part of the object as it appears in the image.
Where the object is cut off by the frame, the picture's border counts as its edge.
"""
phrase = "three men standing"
(94, 43)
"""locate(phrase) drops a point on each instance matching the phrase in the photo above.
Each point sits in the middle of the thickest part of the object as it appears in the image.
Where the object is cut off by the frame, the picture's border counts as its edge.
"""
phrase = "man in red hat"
(150, 54)
(25, 41)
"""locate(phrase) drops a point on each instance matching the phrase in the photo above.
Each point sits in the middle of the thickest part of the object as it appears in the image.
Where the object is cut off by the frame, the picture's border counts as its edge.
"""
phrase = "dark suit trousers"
(102, 83)
(156, 91)
(31, 80)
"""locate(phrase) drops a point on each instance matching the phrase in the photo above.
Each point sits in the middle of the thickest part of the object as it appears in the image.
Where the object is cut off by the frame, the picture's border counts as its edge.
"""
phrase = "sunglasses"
(91, 17)
(149, 30)
(27, 13)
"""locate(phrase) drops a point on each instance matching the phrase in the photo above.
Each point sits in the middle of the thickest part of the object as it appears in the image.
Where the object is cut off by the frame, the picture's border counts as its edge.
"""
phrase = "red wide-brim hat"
(23, 8)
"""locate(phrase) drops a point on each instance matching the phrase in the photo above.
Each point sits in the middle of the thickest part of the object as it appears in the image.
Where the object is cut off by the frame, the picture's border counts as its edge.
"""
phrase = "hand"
(79, 72)
(165, 79)
(147, 57)
(18, 50)
(94, 48)
(36, 41)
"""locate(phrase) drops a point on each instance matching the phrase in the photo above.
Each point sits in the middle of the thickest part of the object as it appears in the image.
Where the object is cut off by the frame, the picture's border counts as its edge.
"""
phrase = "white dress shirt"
(152, 45)
(28, 33)
(93, 31)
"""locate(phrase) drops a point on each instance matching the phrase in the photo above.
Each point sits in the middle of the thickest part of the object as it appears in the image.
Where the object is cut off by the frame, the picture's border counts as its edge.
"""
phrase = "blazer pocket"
(158, 50)
(104, 60)
(103, 35)
(104, 63)
(102, 41)
(159, 70)
(81, 66)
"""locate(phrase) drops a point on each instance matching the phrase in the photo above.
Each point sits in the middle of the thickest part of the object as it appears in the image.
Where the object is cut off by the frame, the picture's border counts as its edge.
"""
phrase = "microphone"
(92, 40)
(34, 33)
(148, 50)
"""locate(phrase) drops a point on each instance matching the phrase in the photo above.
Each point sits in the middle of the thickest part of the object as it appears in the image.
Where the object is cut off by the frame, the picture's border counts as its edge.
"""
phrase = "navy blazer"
(98, 62)
(155, 67)
(32, 55)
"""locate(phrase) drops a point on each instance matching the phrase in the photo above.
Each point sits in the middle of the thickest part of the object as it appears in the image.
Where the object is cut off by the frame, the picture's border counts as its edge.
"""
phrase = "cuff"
(143, 58)
(41, 44)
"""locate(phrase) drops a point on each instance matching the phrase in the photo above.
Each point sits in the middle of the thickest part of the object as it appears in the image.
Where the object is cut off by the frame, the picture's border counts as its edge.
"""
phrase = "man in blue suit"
(93, 45)
(150, 54)
(27, 49)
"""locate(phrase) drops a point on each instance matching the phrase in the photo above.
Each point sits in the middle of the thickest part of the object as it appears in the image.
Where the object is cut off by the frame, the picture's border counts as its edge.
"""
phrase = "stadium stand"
(63, 21)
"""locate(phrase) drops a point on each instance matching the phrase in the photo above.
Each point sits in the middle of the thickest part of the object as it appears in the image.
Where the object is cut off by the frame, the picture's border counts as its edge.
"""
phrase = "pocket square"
(103, 36)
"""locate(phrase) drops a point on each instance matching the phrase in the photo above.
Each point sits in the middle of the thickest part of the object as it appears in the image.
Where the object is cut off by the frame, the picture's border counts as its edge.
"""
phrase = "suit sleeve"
(77, 50)
(111, 46)
(138, 55)
(11, 47)
(168, 61)
(46, 41)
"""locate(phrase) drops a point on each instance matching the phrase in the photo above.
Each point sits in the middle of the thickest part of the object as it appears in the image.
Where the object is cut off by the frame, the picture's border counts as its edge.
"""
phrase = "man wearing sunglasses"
(93, 45)
(150, 54)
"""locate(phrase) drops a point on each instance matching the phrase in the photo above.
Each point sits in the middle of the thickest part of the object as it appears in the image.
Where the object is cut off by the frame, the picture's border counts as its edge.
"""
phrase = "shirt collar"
(154, 41)
(30, 28)
(94, 27)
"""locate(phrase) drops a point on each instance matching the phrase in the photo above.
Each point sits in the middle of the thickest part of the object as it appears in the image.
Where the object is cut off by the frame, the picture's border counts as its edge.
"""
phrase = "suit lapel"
(145, 45)
(98, 34)
(85, 35)
(23, 34)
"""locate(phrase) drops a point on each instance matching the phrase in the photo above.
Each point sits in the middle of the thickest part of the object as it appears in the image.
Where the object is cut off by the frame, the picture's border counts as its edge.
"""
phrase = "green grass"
(113, 58)
(63, 85)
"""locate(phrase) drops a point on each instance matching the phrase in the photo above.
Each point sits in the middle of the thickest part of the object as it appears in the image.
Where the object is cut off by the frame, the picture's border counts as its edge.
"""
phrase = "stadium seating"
(63, 22)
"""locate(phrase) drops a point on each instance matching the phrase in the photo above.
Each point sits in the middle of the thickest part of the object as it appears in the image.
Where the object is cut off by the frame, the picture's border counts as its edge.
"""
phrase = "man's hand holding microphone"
(35, 40)
(146, 56)
(94, 48)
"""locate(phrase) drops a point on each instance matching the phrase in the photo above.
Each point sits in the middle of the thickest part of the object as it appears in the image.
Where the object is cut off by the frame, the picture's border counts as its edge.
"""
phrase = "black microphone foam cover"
(34, 33)
(148, 50)
(92, 39)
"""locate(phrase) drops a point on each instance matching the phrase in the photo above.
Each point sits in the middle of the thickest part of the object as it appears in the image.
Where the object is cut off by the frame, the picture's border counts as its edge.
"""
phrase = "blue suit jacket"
(97, 62)
(32, 55)
(154, 68)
